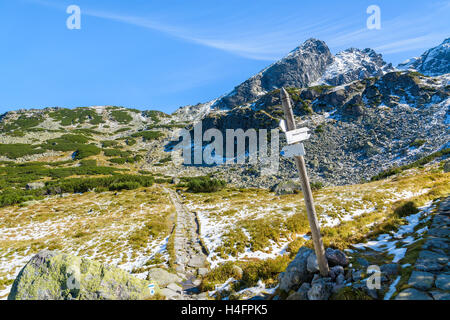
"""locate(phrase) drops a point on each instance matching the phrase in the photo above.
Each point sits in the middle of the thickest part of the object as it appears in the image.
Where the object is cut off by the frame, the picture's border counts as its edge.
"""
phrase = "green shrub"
(406, 209)
(18, 150)
(130, 142)
(205, 184)
(316, 185)
(88, 163)
(417, 143)
(115, 182)
(415, 164)
(166, 159)
(10, 196)
(84, 151)
(22, 122)
(109, 143)
(69, 117)
(122, 130)
(116, 153)
(121, 116)
(148, 135)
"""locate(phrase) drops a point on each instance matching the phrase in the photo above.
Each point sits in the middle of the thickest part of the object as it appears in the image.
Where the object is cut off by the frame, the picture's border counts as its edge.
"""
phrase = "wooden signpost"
(295, 137)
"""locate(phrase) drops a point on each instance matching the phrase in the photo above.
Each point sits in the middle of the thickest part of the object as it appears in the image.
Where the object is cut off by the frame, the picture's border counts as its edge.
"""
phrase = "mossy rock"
(52, 275)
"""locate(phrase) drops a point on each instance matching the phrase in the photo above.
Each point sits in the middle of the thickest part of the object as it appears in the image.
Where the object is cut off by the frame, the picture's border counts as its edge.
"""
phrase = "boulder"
(443, 282)
(439, 295)
(389, 269)
(301, 294)
(52, 275)
(296, 272)
(286, 187)
(35, 185)
(336, 271)
(362, 262)
(320, 289)
(336, 257)
(421, 280)
(412, 294)
(163, 277)
(311, 263)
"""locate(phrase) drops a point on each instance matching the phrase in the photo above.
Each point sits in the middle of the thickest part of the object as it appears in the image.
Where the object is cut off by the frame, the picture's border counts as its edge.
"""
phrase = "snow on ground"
(395, 244)
(105, 225)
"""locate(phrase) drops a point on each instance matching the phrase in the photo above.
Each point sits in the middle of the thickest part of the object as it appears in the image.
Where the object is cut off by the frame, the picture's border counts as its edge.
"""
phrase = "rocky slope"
(358, 128)
(365, 118)
(299, 68)
(433, 62)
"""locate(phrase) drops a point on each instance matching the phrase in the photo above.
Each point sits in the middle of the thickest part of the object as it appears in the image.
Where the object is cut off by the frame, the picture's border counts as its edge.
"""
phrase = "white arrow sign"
(293, 150)
(294, 136)
(297, 135)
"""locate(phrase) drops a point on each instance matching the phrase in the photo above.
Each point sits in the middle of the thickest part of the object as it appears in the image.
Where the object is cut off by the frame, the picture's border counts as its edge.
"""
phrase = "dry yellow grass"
(101, 226)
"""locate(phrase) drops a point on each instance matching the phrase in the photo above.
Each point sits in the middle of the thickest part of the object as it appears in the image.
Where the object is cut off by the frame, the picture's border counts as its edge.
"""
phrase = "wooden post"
(306, 189)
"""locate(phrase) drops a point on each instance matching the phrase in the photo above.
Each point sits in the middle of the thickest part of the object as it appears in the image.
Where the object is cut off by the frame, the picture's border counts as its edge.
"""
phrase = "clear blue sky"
(165, 54)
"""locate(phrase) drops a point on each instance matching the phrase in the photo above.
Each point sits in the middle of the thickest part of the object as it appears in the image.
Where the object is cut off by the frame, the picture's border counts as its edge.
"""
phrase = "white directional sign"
(294, 136)
(297, 135)
(293, 150)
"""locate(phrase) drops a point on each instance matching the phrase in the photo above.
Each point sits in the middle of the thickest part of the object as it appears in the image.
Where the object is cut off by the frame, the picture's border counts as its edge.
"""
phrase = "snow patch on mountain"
(353, 64)
(433, 62)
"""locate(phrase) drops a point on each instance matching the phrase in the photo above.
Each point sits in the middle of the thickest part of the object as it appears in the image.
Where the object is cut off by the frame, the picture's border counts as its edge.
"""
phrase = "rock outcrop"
(299, 68)
(433, 62)
(51, 275)
(302, 281)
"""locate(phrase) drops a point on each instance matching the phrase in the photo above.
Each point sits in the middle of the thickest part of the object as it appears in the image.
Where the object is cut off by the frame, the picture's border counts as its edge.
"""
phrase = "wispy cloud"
(403, 33)
(269, 43)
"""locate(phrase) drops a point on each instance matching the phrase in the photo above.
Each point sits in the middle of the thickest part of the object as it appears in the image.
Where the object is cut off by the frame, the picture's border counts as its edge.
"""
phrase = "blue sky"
(165, 54)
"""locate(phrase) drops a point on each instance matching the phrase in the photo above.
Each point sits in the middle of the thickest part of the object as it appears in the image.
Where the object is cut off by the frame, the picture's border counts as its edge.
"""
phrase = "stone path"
(430, 278)
(190, 260)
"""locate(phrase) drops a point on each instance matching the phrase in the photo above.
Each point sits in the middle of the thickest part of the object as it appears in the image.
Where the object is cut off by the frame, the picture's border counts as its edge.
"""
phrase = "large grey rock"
(439, 295)
(35, 185)
(311, 263)
(296, 272)
(362, 262)
(197, 261)
(421, 280)
(443, 282)
(170, 294)
(202, 272)
(287, 187)
(320, 290)
(412, 294)
(431, 261)
(175, 287)
(336, 257)
(51, 275)
(301, 293)
(336, 271)
(162, 277)
(390, 269)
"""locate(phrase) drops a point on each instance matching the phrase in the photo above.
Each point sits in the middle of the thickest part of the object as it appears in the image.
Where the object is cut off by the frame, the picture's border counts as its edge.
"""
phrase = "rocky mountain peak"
(299, 68)
(354, 64)
(433, 62)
